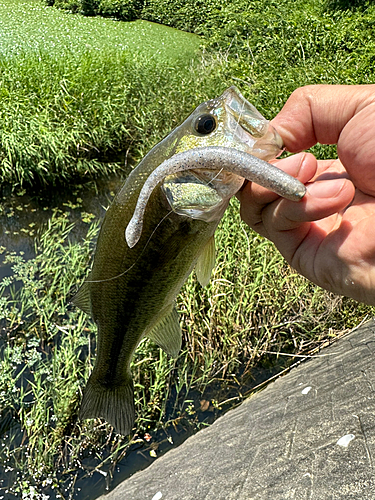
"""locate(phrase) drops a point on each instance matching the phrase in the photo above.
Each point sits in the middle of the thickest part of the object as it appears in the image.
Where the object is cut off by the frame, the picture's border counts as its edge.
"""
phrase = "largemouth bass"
(160, 225)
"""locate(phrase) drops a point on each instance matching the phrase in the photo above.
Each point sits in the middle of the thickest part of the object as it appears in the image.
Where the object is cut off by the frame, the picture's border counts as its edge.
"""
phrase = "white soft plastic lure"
(214, 158)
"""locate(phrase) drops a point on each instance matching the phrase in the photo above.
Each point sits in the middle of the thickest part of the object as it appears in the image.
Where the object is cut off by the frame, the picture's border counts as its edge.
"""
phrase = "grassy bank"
(83, 117)
(273, 46)
(78, 95)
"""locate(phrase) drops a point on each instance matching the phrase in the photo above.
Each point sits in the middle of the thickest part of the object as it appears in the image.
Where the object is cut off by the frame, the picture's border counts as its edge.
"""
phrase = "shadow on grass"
(351, 5)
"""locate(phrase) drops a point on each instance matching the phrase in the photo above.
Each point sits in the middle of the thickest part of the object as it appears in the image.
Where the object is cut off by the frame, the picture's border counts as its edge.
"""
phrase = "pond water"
(23, 215)
(32, 26)
(20, 219)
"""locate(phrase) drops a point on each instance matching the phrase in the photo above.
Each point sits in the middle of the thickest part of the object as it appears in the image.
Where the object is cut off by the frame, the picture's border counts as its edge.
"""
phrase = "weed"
(254, 305)
(75, 99)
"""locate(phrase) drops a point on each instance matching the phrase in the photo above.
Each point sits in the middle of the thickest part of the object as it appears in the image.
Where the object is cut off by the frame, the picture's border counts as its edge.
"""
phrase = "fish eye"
(205, 124)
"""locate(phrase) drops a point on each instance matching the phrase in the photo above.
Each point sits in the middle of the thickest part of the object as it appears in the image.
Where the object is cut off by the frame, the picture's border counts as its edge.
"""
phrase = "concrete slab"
(310, 435)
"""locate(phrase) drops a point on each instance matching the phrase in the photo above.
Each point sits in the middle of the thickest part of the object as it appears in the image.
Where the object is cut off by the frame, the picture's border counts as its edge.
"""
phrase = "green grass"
(77, 94)
(74, 118)
(80, 95)
(272, 47)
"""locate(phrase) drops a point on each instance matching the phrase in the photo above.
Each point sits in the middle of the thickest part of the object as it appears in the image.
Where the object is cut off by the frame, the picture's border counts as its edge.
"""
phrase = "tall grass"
(272, 47)
(64, 119)
(77, 94)
(269, 48)
(75, 103)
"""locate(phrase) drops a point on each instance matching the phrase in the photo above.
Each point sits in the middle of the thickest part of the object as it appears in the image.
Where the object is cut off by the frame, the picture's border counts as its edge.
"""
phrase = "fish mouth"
(238, 128)
(248, 128)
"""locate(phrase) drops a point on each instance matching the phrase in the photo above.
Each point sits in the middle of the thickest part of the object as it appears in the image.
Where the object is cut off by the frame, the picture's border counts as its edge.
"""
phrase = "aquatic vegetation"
(253, 305)
(30, 26)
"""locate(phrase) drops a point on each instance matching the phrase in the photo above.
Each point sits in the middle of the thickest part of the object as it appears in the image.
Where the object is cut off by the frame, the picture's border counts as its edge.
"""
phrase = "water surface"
(32, 26)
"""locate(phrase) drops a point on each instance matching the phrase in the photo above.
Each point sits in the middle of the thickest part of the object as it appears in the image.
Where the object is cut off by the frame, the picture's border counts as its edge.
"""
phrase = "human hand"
(329, 236)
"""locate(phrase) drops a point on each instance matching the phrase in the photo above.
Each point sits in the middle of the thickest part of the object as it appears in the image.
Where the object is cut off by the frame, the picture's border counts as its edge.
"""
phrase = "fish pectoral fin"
(114, 404)
(167, 333)
(206, 262)
(82, 299)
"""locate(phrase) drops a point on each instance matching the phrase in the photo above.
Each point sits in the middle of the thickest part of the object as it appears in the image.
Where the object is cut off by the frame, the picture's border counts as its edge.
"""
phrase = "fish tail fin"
(114, 404)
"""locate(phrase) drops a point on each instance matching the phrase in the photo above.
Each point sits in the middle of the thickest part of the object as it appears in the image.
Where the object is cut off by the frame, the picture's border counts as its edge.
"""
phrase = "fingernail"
(292, 164)
(301, 158)
(326, 189)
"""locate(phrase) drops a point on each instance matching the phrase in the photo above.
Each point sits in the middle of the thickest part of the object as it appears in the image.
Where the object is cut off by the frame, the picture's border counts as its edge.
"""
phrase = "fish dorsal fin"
(206, 262)
(82, 299)
(167, 333)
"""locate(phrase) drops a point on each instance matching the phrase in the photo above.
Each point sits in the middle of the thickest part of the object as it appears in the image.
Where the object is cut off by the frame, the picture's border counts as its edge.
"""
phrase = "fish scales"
(131, 292)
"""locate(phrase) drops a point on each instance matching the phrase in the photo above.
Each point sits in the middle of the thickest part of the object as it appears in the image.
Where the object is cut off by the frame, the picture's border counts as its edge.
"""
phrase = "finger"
(255, 198)
(288, 224)
(318, 113)
(329, 169)
(322, 199)
(356, 148)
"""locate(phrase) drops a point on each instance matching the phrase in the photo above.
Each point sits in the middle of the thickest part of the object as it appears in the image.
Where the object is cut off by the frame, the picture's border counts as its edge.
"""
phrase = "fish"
(160, 227)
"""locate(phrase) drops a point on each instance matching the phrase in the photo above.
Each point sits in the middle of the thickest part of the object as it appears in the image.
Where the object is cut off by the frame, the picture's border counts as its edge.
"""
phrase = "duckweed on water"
(29, 26)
